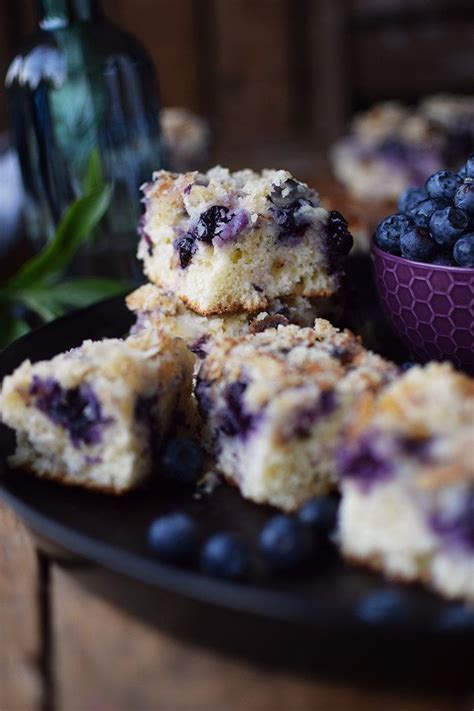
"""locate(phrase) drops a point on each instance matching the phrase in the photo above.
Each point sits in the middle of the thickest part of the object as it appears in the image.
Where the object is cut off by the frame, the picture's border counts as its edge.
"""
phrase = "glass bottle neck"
(58, 13)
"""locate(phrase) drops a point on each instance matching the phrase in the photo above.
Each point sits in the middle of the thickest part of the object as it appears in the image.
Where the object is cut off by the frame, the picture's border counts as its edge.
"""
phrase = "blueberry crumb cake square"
(274, 404)
(229, 242)
(96, 415)
(159, 310)
(407, 470)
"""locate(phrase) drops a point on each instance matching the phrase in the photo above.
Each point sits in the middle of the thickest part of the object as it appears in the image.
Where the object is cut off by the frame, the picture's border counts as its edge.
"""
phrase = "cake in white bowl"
(233, 242)
(407, 475)
(96, 415)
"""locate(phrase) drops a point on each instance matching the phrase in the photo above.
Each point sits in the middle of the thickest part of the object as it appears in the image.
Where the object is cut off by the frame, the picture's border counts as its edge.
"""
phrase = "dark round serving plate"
(319, 620)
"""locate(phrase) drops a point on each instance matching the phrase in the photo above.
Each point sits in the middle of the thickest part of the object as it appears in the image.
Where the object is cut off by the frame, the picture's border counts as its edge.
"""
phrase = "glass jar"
(83, 102)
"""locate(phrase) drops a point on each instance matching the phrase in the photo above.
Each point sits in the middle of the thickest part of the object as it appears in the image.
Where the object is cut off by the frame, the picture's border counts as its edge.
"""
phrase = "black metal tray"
(313, 622)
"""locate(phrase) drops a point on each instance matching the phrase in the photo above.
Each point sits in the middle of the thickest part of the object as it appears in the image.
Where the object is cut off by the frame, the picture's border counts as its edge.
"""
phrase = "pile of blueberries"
(435, 224)
(285, 544)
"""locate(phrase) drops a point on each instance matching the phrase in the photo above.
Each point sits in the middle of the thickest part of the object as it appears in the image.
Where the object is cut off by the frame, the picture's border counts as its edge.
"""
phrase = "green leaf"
(12, 328)
(50, 301)
(41, 303)
(82, 292)
(75, 227)
(94, 177)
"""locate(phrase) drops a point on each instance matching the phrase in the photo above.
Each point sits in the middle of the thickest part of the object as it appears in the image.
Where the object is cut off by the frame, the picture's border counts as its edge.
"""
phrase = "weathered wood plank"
(386, 9)
(106, 660)
(404, 61)
(331, 70)
(166, 28)
(253, 71)
(21, 687)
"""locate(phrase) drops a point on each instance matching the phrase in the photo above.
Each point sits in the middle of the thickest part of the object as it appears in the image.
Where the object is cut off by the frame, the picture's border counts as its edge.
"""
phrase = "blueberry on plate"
(464, 198)
(386, 606)
(182, 461)
(464, 251)
(416, 244)
(447, 225)
(410, 198)
(174, 537)
(320, 514)
(424, 210)
(285, 543)
(389, 231)
(224, 555)
(457, 618)
(443, 184)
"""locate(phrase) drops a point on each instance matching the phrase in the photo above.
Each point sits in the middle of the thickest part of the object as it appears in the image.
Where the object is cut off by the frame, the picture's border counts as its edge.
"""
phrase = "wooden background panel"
(272, 74)
(167, 29)
(331, 78)
(253, 71)
(365, 9)
(406, 62)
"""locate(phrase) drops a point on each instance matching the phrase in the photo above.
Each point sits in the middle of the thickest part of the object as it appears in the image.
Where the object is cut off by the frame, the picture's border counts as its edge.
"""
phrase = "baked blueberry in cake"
(233, 242)
(96, 415)
(157, 310)
(407, 476)
(274, 404)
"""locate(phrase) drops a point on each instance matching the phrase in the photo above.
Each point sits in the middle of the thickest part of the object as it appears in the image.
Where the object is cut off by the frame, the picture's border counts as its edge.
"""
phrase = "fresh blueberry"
(464, 198)
(425, 209)
(174, 537)
(224, 555)
(182, 461)
(443, 184)
(443, 259)
(447, 225)
(320, 514)
(285, 543)
(385, 606)
(410, 198)
(416, 244)
(464, 251)
(389, 231)
(406, 366)
(467, 170)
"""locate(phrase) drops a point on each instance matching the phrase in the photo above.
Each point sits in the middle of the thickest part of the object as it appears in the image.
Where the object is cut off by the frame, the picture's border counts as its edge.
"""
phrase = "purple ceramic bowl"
(431, 308)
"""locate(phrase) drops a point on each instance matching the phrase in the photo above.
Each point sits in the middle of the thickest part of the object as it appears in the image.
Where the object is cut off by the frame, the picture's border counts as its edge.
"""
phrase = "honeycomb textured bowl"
(431, 308)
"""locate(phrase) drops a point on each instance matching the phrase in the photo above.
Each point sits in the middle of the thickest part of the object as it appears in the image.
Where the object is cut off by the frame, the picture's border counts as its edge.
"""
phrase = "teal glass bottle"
(83, 93)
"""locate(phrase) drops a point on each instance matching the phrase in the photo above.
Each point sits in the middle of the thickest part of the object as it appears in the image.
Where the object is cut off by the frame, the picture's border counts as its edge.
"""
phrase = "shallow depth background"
(279, 77)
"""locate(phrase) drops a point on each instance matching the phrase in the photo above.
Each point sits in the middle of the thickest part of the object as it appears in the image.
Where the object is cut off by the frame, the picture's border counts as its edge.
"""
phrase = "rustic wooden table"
(62, 649)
